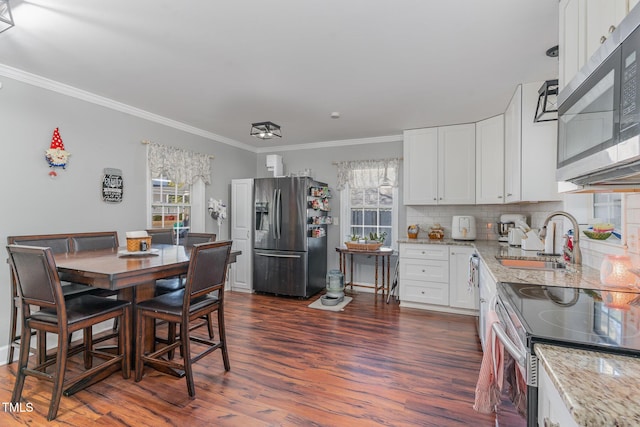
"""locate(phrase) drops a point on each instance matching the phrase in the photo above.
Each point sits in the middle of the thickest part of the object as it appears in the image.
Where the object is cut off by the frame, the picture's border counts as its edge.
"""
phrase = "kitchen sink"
(531, 264)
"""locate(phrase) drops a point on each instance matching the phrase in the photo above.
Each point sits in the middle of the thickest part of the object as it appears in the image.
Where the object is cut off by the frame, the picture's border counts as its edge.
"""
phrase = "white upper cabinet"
(584, 25)
(512, 146)
(490, 161)
(420, 171)
(439, 165)
(530, 150)
(457, 164)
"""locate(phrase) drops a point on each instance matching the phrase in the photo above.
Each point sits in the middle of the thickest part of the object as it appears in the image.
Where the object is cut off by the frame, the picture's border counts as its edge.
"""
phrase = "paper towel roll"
(549, 240)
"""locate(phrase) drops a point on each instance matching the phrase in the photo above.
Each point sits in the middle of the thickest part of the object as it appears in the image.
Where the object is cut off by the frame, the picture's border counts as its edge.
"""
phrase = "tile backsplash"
(486, 216)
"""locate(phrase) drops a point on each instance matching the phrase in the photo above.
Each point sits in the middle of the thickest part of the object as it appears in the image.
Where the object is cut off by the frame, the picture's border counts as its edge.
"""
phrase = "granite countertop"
(598, 389)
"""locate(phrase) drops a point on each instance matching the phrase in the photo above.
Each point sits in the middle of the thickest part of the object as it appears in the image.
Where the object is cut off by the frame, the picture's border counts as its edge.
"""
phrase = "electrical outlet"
(336, 220)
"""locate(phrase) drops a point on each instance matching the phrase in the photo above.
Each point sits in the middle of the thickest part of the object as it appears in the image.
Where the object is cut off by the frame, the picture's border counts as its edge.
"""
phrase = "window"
(170, 205)
(369, 199)
(371, 211)
(607, 207)
(176, 188)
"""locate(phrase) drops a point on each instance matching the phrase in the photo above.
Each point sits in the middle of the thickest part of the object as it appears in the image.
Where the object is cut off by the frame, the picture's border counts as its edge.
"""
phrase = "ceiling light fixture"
(265, 130)
(547, 108)
(6, 19)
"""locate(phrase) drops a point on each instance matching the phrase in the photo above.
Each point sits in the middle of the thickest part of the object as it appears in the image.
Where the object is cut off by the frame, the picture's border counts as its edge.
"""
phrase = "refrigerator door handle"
(277, 256)
(272, 214)
(279, 214)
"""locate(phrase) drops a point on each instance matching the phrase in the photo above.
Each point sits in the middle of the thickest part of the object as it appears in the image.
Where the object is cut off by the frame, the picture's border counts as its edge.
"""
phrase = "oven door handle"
(513, 350)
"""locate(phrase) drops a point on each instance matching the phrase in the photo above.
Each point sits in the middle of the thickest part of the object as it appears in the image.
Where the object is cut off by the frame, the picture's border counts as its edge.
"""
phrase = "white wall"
(97, 137)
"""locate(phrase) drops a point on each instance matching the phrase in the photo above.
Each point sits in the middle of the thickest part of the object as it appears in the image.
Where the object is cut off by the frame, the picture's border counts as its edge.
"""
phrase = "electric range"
(572, 317)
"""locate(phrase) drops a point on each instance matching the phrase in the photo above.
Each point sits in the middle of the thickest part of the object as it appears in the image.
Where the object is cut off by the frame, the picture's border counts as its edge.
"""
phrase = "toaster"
(463, 227)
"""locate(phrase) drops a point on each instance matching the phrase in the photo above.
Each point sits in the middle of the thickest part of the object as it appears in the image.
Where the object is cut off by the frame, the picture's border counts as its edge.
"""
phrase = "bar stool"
(206, 275)
(39, 285)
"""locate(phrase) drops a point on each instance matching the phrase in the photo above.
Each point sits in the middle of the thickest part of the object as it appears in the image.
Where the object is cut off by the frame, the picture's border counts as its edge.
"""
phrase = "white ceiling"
(385, 65)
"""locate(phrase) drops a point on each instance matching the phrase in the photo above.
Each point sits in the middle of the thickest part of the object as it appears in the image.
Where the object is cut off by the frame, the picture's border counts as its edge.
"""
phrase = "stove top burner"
(584, 317)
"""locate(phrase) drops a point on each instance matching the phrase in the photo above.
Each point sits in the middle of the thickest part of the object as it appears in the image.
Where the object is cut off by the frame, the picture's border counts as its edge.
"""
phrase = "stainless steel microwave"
(599, 114)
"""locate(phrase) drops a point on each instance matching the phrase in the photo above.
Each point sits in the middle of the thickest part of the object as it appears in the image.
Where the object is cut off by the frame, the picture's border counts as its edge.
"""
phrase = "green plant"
(378, 237)
(354, 237)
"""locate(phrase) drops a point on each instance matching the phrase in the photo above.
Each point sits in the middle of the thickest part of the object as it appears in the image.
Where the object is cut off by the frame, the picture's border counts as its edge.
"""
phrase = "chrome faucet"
(576, 255)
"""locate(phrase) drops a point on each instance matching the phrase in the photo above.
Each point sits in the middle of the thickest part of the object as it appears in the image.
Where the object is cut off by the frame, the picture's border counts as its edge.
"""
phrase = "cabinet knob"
(423, 271)
(435, 198)
(603, 39)
(612, 29)
(499, 197)
(440, 198)
(422, 292)
(509, 194)
(482, 300)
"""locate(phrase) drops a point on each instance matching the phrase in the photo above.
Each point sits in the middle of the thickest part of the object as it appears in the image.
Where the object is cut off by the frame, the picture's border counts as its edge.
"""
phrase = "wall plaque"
(112, 185)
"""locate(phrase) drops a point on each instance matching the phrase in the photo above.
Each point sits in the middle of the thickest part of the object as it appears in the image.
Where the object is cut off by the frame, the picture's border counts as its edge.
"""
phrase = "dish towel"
(489, 386)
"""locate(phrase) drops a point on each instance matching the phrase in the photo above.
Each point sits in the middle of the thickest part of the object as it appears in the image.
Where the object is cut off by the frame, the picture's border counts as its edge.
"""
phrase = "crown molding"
(54, 86)
(83, 95)
(327, 144)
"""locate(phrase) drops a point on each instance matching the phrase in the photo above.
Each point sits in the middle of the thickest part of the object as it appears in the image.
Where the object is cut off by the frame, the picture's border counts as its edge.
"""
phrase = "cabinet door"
(457, 164)
(490, 161)
(602, 18)
(539, 147)
(420, 171)
(552, 410)
(487, 289)
(512, 146)
(461, 295)
(571, 40)
(241, 228)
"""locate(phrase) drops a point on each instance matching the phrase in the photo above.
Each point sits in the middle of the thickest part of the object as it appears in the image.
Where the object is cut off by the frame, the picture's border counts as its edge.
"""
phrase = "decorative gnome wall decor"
(56, 155)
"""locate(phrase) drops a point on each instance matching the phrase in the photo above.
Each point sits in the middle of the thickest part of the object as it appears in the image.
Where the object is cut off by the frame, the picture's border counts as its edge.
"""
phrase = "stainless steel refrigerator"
(290, 242)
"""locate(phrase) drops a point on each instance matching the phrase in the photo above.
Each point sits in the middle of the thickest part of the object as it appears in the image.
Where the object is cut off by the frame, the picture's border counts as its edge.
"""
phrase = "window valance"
(367, 173)
(178, 165)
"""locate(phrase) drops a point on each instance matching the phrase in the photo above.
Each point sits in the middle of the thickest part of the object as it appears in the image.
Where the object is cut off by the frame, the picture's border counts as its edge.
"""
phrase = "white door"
(241, 233)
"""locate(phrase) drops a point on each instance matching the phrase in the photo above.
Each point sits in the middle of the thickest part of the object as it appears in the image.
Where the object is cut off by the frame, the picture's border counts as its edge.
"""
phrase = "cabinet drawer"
(418, 251)
(428, 270)
(436, 293)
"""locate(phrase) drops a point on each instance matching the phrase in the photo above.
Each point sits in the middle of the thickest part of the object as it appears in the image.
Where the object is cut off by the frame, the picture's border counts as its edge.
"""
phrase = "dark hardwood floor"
(372, 364)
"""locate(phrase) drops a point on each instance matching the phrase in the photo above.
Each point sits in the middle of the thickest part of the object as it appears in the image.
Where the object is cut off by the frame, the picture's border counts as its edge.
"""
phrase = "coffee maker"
(506, 223)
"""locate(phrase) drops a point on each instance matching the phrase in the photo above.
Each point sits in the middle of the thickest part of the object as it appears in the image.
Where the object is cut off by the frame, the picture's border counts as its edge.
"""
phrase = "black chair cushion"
(164, 286)
(172, 303)
(81, 308)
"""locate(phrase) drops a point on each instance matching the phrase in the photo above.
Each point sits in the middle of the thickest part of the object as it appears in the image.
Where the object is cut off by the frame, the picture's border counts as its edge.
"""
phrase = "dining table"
(131, 274)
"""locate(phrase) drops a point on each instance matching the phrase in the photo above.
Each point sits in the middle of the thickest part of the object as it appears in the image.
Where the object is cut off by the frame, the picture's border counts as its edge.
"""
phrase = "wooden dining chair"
(93, 241)
(59, 243)
(39, 286)
(161, 236)
(164, 286)
(206, 275)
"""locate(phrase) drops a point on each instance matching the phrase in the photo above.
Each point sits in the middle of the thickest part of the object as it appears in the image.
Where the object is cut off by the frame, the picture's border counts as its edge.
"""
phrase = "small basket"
(363, 246)
(134, 243)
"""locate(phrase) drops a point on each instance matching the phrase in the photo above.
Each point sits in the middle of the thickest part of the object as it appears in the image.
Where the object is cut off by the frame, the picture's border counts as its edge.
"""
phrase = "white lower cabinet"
(487, 288)
(552, 412)
(461, 293)
(435, 277)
